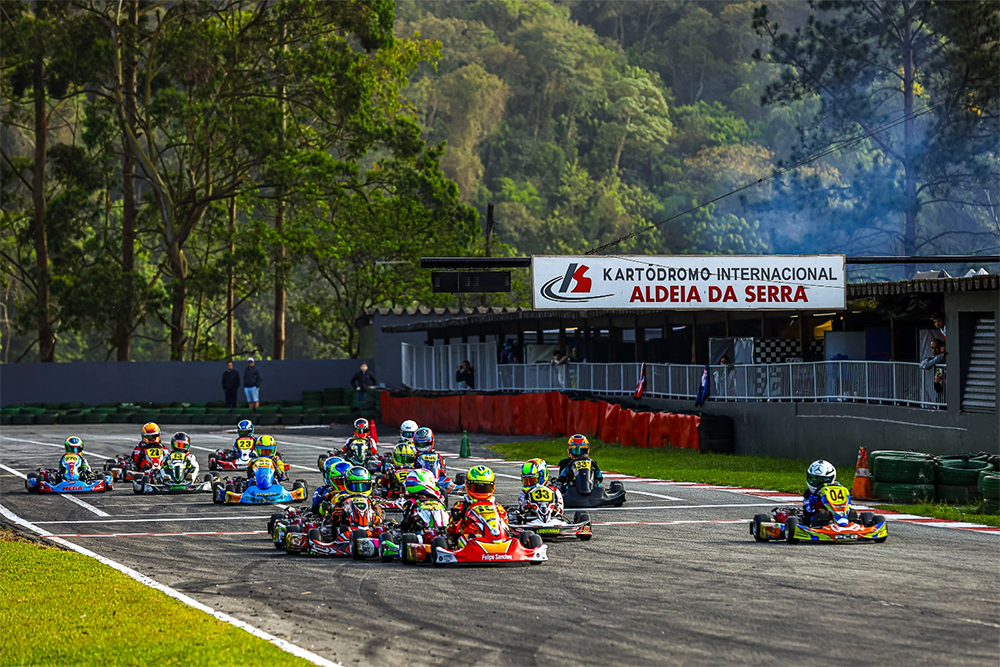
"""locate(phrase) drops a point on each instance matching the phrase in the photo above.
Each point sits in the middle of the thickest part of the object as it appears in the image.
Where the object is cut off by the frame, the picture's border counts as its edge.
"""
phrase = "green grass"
(683, 465)
(62, 608)
(968, 513)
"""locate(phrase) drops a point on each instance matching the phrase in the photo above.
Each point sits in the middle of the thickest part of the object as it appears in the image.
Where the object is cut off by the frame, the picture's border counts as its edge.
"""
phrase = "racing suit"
(811, 505)
(85, 469)
(566, 473)
(326, 493)
(337, 517)
(445, 485)
(462, 526)
(279, 467)
(407, 524)
(137, 451)
(191, 464)
(389, 483)
(523, 501)
(372, 446)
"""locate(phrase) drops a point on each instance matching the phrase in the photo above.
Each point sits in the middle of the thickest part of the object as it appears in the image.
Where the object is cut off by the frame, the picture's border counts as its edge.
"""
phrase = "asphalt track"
(637, 594)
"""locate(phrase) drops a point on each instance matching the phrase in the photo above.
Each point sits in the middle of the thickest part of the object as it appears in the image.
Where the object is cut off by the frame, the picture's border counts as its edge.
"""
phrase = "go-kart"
(356, 452)
(356, 535)
(71, 481)
(172, 478)
(432, 463)
(431, 519)
(835, 522)
(228, 459)
(541, 515)
(585, 491)
(493, 542)
(391, 491)
(124, 468)
(261, 489)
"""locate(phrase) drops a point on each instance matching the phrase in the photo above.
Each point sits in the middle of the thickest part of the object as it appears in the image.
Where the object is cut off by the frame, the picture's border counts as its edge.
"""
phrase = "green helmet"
(266, 445)
(533, 473)
(359, 481)
(336, 474)
(421, 482)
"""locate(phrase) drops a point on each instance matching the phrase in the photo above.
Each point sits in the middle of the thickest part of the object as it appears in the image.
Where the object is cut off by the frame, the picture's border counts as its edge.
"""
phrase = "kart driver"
(479, 487)
(535, 472)
(359, 483)
(74, 445)
(578, 448)
(150, 438)
(420, 485)
(423, 440)
(363, 431)
(407, 430)
(819, 474)
(243, 430)
(404, 457)
(267, 448)
(180, 443)
(336, 486)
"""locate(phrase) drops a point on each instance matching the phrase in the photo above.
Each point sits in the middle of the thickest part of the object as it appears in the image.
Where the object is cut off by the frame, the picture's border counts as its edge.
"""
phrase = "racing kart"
(357, 535)
(431, 519)
(357, 453)
(585, 491)
(71, 481)
(262, 489)
(835, 522)
(124, 468)
(391, 491)
(541, 515)
(432, 463)
(493, 543)
(172, 478)
(228, 459)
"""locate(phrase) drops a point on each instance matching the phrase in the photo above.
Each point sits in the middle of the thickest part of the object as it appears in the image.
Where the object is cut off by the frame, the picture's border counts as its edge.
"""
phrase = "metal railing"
(880, 382)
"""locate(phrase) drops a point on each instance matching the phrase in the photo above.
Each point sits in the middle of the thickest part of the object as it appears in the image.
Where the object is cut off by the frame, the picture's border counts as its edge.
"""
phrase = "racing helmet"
(328, 463)
(404, 455)
(356, 449)
(578, 446)
(407, 430)
(424, 440)
(73, 445)
(359, 481)
(266, 445)
(362, 429)
(181, 442)
(150, 433)
(244, 429)
(336, 475)
(820, 473)
(533, 473)
(480, 483)
(421, 482)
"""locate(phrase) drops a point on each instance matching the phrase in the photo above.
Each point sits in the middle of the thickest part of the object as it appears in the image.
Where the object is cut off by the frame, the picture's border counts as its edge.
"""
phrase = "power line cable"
(832, 149)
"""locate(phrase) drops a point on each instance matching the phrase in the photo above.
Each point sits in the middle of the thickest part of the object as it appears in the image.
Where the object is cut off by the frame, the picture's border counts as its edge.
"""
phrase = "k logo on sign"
(574, 281)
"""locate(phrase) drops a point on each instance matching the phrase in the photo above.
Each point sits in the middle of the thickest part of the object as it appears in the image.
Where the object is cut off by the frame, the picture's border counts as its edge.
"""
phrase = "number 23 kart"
(70, 481)
(835, 522)
(262, 489)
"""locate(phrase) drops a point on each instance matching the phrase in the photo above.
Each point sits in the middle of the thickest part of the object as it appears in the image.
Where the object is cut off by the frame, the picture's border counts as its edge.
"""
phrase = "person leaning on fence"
(230, 384)
(467, 374)
(938, 354)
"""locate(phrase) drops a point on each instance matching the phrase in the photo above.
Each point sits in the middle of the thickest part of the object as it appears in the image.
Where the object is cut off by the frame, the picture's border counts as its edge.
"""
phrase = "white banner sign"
(720, 282)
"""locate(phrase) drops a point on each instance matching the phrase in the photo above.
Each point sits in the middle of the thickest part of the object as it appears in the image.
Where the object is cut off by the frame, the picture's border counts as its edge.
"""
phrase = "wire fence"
(879, 382)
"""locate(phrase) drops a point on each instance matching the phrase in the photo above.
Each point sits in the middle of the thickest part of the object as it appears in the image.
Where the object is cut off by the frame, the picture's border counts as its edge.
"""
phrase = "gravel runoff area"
(671, 578)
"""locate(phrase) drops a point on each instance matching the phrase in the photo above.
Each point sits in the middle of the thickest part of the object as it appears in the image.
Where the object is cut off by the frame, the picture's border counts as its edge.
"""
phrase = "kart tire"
(460, 479)
(314, 535)
(989, 484)
(790, 524)
(277, 516)
(903, 469)
(903, 493)
(299, 484)
(28, 486)
(355, 536)
(138, 482)
(404, 554)
(291, 529)
(878, 518)
(208, 477)
(615, 487)
(755, 526)
(959, 472)
(867, 519)
(437, 543)
(530, 539)
(211, 463)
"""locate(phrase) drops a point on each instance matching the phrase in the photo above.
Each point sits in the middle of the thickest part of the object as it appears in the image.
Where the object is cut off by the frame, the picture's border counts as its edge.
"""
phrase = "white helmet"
(821, 473)
(407, 430)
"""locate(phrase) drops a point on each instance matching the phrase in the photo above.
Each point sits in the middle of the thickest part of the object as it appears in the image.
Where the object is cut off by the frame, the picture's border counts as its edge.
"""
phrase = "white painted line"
(288, 647)
(206, 449)
(72, 499)
(655, 495)
(195, 518)
(667, 507)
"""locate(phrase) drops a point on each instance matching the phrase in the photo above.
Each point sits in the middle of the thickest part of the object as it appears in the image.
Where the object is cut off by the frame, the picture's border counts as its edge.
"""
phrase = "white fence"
(881, 382)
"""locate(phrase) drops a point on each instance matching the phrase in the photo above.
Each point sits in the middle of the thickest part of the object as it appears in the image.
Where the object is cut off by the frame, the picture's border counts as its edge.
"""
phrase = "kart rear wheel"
(314, 535)
(218, 494)
(790, 524)
(437, 543)
(615, 487)
(277, 516)
(138, 484)
(755, 526)
(208, 477)
(404, 553)
(877, 520)
(211, 463)
(356, 537)
(460, 478)
(866, 519)
(28, 485)
(291, 529)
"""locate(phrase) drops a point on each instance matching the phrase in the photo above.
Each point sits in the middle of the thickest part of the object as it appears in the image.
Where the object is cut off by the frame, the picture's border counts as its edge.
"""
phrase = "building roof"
(978, 283)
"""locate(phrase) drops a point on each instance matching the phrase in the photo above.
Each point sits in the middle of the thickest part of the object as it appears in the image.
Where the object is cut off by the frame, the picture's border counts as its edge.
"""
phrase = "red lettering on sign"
(730, 295)
(693, 295)
(636, 295)
(800, 294)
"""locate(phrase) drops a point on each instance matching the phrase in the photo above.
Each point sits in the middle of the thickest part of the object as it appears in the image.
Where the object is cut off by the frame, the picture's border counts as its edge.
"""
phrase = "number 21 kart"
(262, 489)
(834, 522)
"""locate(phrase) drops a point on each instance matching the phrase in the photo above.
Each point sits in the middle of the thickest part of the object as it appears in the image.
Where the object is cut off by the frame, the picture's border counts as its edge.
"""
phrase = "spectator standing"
(939, 354)
(251, 385)
(559, 360)
(362, 380)
(466, 374)
(230, 383)
(938, 320)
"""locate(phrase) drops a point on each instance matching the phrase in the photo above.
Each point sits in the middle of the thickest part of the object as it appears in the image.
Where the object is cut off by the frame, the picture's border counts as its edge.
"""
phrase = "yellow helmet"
(404, 455)
(480, 483)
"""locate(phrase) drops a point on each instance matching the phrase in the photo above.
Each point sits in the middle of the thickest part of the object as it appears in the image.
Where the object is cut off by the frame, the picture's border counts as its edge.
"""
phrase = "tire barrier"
(959, 472)
(959, 494)
(914, 477)
(989, 485)
(903, 493)
(903, 469)
(551, 413)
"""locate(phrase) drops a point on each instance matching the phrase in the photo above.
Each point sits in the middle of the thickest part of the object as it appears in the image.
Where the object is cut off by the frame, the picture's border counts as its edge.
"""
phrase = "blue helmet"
(244, 428)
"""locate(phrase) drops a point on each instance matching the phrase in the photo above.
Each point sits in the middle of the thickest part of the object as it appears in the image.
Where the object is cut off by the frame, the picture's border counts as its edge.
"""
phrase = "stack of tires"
(957, 479)
(989, 488)
(902, 477)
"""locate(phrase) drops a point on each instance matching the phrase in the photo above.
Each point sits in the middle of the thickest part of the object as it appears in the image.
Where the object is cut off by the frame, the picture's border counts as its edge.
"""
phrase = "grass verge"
(683, 465)
(967, 513)
(62, 608)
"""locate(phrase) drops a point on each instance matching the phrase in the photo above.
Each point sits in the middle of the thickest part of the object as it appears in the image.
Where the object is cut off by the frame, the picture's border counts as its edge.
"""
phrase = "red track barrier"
(608, 428)
(583, 417)
(624, 435)
(640, 429)
(558, 404)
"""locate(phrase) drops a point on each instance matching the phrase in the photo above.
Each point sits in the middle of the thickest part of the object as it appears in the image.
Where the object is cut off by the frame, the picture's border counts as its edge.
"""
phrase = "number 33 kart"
(835, 522)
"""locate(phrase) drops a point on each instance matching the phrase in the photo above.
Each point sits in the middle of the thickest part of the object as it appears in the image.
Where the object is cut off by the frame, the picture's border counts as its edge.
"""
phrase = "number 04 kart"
(834, 522)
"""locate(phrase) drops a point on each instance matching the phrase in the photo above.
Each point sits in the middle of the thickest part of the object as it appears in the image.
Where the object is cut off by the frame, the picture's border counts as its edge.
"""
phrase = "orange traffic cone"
(862, 478)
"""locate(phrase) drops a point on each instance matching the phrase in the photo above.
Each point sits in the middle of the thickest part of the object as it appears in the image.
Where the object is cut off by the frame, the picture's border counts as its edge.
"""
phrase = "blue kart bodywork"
(262, 490)
(70, 476)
